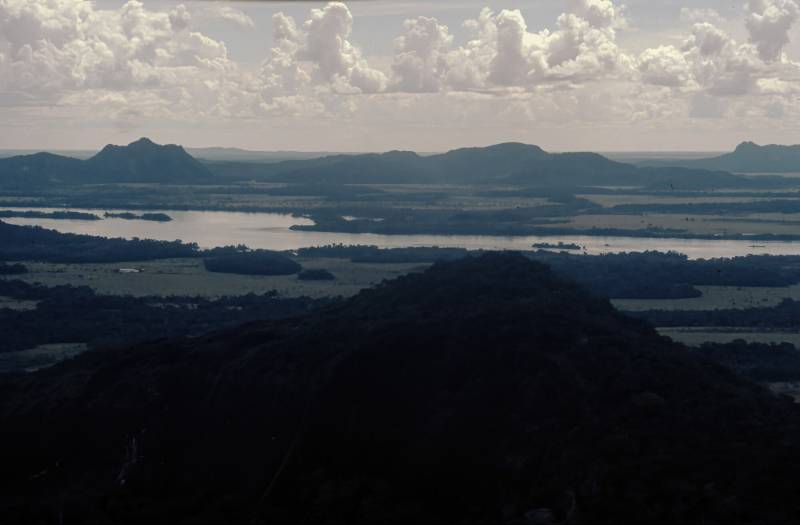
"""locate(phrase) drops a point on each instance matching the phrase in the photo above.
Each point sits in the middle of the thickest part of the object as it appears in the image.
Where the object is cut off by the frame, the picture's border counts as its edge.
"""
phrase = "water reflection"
(211, 229)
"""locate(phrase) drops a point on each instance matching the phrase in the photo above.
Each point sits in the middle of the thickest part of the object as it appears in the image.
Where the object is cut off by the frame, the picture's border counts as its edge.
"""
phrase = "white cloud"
(665, 66)
(599, 13)
(768, 23)
(503, 53)
(701, 14)
(420, 60)
(218, 11)
(137, 63)
(55, 47)
(320, 52)
(709, 61)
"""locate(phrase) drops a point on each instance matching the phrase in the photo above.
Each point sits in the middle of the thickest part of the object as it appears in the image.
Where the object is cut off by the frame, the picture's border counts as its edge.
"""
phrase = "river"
(272, 231)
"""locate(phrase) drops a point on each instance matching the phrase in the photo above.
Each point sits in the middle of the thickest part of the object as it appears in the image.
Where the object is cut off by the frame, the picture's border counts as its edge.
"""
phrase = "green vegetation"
(696, 336)
(60, 215)
(557, 246)
(766, 363)
(39, 357)
(19, 243)
(716, 298)
(784, 315)
(260, 262)
(67, 314)
(181, 277)
(154, 217)
(507, 387)
(316, 275)
(13, 269)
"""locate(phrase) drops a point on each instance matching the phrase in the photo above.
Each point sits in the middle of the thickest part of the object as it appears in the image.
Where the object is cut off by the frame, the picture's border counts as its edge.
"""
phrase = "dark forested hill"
(511, 163)
(484, 390)
(38, 170)
(139, 162)
(747, 158)
(145, 161)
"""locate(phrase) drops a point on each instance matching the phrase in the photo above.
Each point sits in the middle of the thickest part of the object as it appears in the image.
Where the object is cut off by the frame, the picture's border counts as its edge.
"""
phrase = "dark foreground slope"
(485, 390)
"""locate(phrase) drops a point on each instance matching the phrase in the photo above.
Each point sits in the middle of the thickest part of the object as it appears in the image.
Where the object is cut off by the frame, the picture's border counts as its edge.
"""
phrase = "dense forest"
(13, 269)
(757, 361)
(785, 315)
(484, 390)
(26, 243)
(67, 314)
(258, 262)
(153, 217)
(647, 275)
(61, 215)
(316, 275)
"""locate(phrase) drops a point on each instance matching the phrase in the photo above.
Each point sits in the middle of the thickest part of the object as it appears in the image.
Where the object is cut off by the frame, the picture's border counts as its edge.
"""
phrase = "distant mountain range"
(142, 161)
(748, 157)
(510, 163)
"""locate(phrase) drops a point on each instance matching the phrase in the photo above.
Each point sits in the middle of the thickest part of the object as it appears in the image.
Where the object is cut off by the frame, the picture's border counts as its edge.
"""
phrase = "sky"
(378, 75)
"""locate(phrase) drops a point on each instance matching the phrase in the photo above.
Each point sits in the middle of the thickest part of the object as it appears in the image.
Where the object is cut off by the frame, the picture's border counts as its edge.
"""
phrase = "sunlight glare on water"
(210, 229)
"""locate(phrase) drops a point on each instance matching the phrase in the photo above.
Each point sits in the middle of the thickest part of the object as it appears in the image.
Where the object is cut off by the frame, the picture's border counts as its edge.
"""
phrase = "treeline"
(33, 243)
(258, 262)
(12, 269)
(785, 315)
(647, 275)
(544, 221)
(655, 274)
(21, 243)
(67, 314)
(155, 217)
(62, 215)
(757, 361)
(316, 275)
(373, 254)
(783, 205)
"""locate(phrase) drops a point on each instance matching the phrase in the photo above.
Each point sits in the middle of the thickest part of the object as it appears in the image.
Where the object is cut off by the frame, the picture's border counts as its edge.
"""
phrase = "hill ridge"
(141, 161)
(483, 390)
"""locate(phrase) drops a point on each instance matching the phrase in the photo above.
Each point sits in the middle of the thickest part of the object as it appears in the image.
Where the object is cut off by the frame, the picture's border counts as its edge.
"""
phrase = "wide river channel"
(273, 231)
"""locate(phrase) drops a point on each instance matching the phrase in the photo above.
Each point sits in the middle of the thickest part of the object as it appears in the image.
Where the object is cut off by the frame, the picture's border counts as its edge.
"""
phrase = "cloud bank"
(135, 63)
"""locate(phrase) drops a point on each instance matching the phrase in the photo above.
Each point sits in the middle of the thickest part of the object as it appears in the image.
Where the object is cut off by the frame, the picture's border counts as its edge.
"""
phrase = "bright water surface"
(272, 231)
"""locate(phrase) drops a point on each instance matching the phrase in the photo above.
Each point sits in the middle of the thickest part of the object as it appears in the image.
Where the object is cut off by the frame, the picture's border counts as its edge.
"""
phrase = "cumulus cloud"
(768, 23)
(51, 47)
(599, 13)
(320, 51)
(136, 61)
(504, 53)
(421, 56)
(237, 17)
(665, 66)
(701, 14)
(709, 61)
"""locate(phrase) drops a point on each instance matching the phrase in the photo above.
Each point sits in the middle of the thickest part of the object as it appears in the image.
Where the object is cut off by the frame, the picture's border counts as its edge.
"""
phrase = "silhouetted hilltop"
(484, 390)
(145, 161)
(509, 163)
(748, 157)
(142, 161)
(38, 169)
